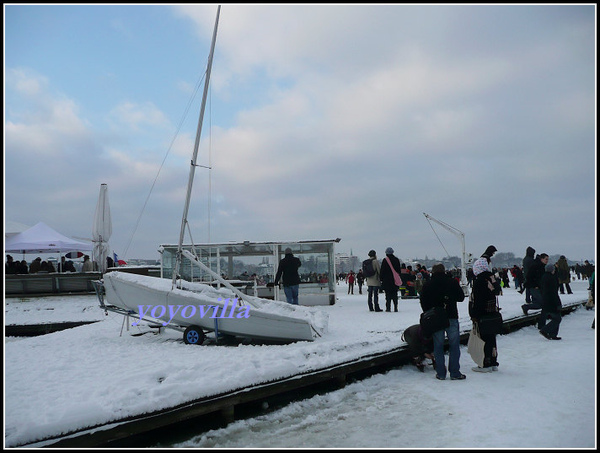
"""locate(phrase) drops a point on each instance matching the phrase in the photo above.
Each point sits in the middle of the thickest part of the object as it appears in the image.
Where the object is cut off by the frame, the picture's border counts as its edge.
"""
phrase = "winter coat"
(483, 297)
(534, 276)
(416, 341)
(549, 288)
(288, 267)
(88, 266)
(360, 278)
(374, 280)
(528, 260)
(387, 277)
(442, 291)
(35, 266)
(563, 271)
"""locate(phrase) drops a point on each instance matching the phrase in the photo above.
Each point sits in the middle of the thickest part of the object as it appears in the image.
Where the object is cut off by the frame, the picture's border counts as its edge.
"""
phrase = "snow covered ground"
(52, 309)
(543, 396)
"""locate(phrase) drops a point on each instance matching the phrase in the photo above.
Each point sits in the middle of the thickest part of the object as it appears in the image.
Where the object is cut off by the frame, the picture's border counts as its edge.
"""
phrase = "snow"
(543, 396)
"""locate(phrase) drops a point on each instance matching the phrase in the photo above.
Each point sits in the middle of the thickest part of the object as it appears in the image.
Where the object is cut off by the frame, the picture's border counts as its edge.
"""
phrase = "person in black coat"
(11, 266)
(288, 269)
(444, 291)
(533, 280)
(527, 262)
(388, 284)
(551, 304)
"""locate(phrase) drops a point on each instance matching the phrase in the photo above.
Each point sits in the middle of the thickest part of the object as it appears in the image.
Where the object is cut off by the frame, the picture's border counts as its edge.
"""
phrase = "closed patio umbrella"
(102, 229)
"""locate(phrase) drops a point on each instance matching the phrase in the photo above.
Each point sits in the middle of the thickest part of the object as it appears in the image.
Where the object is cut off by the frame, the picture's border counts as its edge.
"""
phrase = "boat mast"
(195, 154)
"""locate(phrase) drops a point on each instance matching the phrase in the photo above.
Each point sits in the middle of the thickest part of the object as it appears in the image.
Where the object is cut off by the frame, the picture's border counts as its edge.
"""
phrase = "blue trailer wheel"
(193, 335)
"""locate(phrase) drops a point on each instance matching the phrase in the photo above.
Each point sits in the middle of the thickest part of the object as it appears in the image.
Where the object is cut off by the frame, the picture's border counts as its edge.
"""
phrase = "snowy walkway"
(90, 375)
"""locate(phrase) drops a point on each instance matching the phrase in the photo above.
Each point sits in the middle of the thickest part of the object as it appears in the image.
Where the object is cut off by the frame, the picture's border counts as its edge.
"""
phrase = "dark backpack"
(367, 268)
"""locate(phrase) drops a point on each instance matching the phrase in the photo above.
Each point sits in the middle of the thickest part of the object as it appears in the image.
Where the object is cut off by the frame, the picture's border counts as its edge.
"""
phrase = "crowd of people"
(39, 266)
(542, 283)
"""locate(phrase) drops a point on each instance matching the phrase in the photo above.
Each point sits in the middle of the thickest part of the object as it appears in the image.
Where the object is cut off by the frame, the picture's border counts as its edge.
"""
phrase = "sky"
(322, 122)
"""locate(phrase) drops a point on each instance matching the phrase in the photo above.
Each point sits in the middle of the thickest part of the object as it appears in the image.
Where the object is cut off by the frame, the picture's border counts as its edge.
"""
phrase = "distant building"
(345, 262)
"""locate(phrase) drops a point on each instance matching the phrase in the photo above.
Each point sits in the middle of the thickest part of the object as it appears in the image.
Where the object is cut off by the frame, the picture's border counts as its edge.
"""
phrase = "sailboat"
(195, 308)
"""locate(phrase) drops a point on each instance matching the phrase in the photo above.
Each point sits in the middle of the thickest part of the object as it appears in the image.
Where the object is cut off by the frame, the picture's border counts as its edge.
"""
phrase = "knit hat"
(389, 251)
(372, 253)
(480, 266)
(550, 268)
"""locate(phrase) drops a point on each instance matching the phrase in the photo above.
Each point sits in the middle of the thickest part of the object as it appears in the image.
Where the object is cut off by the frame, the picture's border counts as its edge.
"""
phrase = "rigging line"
(436, 235)
(176, 134)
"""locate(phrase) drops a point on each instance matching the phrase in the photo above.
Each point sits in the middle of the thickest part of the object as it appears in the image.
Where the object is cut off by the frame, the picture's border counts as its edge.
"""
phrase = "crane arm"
(463, 258)
(452, 230)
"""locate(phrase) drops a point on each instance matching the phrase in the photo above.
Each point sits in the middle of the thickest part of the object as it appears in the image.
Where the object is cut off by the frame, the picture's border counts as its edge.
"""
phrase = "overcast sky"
(344, 121)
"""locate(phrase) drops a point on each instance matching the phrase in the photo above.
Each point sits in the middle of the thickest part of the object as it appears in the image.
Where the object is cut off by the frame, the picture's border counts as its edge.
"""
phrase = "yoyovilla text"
(230, 309)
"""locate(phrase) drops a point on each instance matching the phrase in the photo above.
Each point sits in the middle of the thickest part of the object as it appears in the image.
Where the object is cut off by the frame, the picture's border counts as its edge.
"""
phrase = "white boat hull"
(210, 309)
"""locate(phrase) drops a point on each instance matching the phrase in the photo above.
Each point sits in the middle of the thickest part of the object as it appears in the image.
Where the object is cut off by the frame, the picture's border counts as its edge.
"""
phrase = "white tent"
(41, 238)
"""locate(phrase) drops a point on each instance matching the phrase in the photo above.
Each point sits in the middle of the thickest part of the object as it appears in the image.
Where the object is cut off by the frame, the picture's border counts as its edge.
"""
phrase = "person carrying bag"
(485, 314)
(390, 279)
(440, 317)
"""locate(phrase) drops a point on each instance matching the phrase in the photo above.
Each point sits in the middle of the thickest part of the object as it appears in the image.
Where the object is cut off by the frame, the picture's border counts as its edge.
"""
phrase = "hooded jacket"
(528, 260)
(533, 277)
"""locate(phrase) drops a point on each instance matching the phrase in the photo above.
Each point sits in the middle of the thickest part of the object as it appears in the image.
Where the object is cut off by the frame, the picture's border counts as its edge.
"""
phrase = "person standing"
(373, 282)
(551, 304)
(444, 291)
(564, 275)
(390, 265)
(288, 269)
(517, 274)
(527, 262)
(418, 284)
(351, 280)
(35, 266)
(484, 295)
(489, 252)
(533, 280)
(88, 266)
(10, 267)
(360, 279)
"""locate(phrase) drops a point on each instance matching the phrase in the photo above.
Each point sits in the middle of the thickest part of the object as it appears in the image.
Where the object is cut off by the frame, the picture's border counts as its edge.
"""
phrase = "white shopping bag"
(475, 346)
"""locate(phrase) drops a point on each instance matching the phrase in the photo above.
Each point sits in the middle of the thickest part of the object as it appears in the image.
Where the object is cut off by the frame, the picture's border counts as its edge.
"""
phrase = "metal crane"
(463, 257)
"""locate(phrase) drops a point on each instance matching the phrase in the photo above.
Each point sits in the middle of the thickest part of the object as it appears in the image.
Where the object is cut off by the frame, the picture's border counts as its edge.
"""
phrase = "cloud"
(343, 121)
(129, 114)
